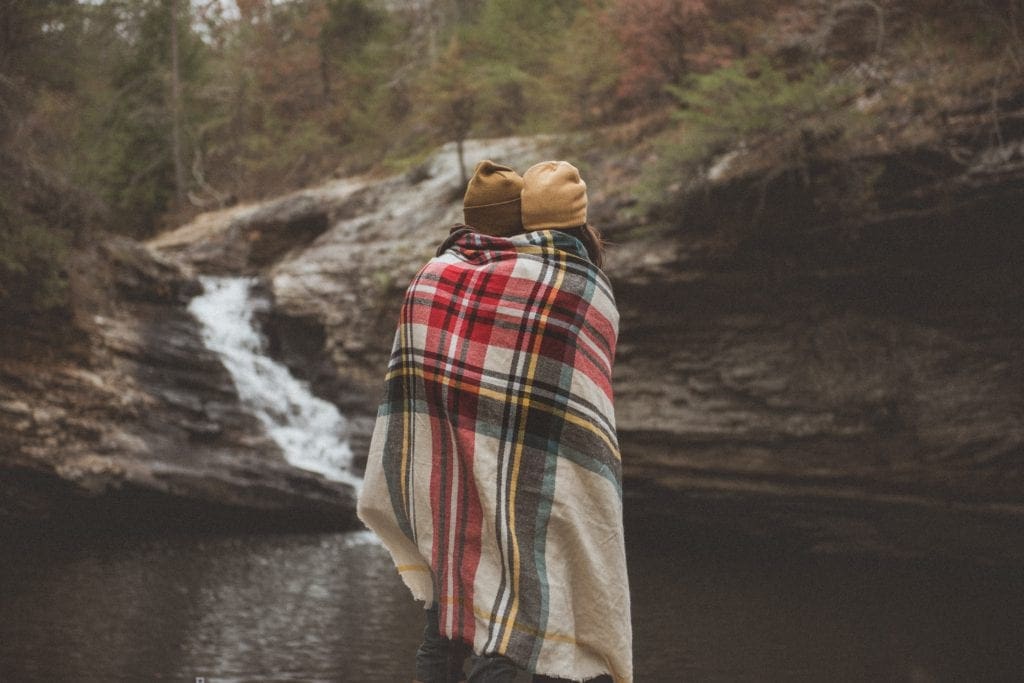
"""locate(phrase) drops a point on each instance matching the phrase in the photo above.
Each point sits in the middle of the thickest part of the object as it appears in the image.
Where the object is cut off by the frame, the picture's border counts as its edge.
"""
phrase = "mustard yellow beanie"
(491, 204)
(554, 196)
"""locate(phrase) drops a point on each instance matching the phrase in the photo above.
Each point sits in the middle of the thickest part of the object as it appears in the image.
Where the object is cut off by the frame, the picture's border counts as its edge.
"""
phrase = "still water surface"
(329, 607)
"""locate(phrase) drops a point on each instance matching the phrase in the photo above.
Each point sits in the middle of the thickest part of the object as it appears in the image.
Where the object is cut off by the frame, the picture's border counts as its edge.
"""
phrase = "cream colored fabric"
(494, 476)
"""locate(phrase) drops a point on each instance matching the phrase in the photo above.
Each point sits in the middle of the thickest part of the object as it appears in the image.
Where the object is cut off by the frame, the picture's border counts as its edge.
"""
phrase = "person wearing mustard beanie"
(554, 196)
(484, 346)
(492, 204)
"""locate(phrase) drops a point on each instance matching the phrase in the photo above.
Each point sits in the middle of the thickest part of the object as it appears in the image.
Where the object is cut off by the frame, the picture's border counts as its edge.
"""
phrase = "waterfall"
(310, 431)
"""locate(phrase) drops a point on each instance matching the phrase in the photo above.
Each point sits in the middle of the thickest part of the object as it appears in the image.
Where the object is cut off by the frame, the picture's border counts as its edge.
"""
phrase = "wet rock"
(277, 228)
(824, 358)
(334, 301)
(150, 433)
(141, 275)
(245, 239)
(837, 374)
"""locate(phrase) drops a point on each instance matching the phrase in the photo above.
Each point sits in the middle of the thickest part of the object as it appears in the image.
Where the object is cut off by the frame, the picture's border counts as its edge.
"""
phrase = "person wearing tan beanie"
(492, 201)
(493, 433)
(554, 196)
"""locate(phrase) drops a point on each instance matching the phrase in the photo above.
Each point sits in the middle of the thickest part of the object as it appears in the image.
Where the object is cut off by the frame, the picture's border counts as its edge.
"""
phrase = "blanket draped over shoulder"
(494, 476)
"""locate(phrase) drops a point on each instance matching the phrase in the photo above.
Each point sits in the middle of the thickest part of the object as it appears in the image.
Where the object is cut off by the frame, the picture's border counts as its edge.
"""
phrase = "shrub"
(32, 263)
(752, 98)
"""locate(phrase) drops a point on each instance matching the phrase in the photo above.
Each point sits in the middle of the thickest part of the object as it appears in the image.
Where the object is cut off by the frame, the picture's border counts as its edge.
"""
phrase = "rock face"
(140, 427)
(831, 356)
(826, 357)
(335, 300)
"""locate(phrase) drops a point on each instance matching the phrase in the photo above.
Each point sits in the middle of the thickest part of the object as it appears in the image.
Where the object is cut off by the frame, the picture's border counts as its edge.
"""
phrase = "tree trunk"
(325, 76)
(462, 159)
(179, 165)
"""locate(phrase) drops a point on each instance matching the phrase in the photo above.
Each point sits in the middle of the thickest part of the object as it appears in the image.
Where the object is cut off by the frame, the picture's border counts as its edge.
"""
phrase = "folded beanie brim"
(500, 219)
(514, 200)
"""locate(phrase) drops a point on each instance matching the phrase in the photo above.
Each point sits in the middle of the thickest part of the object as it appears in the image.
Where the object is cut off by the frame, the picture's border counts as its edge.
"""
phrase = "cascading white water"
(310, 431)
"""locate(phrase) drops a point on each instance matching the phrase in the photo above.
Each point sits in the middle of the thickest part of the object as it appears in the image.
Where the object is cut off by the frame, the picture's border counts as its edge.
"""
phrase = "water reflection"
(329, 607)
(305, 608)
(286, 607)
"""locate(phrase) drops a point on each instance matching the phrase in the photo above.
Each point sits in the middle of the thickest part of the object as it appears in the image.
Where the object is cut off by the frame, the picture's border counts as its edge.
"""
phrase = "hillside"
(816, 250)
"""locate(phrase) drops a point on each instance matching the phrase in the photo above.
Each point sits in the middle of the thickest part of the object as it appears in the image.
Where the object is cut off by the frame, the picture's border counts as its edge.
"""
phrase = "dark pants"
(440, 660)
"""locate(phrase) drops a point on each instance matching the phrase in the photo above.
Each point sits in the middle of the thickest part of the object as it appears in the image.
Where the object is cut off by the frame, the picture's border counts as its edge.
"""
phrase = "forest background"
(130, 116)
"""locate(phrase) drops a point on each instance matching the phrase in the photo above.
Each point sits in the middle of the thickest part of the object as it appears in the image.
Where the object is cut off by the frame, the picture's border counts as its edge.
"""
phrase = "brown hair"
(592, 240)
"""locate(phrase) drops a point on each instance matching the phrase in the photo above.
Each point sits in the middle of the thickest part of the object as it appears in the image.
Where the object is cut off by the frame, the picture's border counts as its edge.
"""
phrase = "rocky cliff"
(133, 425)
(825, 356)
(831, 354)
(335, 296)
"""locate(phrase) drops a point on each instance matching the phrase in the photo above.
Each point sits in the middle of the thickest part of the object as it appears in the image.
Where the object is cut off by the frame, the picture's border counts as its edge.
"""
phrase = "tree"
(134, 128)
(656, 37)
(452, 93)
(585, 71)
(179, 164)
(349, 27)
(508, 50)
(39, 212)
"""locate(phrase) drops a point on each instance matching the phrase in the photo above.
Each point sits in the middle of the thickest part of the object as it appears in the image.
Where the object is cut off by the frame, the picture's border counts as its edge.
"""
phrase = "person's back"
(494, 475)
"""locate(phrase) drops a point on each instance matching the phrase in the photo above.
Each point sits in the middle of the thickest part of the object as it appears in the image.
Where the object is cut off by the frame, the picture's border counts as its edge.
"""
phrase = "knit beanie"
(554, 196)
(491, 204)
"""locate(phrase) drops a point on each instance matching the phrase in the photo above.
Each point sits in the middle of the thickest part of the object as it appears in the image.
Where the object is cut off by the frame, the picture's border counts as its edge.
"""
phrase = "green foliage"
(377, 99)
(771, 115)
(507, 98)
(521, 33)
(38, 41)
(753, 98)
(277, 94)
(584, 74)
(297, 90)
(351, 25)
(32, 261)
(123, 130)
(503, 64)
(292, 158)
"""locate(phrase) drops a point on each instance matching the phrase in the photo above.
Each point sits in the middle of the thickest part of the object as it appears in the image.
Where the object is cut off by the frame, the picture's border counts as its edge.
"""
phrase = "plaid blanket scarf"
(494, 475)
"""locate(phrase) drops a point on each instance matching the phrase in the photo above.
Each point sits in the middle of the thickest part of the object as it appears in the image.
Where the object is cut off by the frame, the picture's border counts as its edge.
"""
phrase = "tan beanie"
(554, 196)
(491, 204)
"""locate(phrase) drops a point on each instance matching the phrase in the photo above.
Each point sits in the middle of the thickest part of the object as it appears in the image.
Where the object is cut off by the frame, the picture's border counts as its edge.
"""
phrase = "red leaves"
(657, 38)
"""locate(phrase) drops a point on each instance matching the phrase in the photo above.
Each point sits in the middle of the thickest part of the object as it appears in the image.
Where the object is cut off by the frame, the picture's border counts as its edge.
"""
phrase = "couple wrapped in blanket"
(494, 477)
